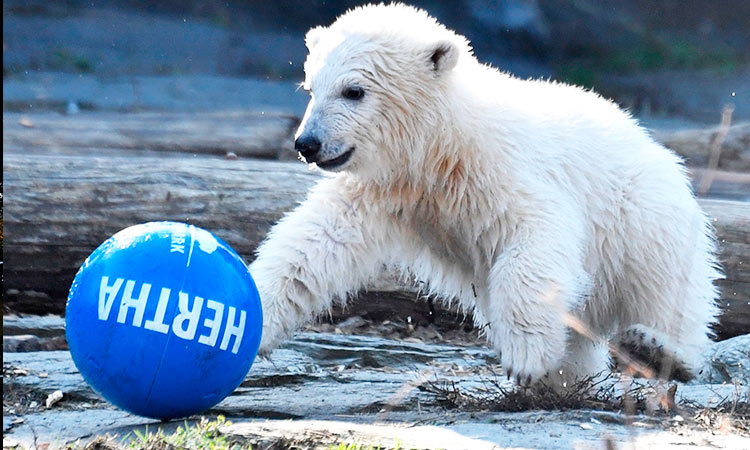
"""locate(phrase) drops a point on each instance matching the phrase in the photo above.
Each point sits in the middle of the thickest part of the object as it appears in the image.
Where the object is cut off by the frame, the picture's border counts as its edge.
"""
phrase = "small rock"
(9, 442)
(25, 122)
(352, 322)
(31, 343)
(727, 361)
(72, 108)
(20, 372)
(17, 421)
(14, 343)
(49, 325)
(586, 426)
(53, 398)
(231, 156)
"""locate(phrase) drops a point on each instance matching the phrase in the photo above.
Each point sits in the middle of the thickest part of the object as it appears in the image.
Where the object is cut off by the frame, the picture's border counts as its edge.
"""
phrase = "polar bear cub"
(540, 207)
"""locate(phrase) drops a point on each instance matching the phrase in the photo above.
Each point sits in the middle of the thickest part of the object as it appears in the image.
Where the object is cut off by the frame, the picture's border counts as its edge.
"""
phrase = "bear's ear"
(443, 56)
(313, 36)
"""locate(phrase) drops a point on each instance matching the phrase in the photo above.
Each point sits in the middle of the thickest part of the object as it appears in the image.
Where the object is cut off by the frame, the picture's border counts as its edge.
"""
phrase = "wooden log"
(269, 135)
(60, 207)
(243, 133)
(732, 222)
(695, 146)
(726, 185)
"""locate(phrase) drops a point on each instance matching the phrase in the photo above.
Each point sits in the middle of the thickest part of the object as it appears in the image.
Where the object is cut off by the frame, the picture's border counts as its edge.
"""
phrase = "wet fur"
(528, 202)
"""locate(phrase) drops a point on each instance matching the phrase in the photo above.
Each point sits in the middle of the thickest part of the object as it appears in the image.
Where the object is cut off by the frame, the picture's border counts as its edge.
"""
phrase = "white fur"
(529, 202)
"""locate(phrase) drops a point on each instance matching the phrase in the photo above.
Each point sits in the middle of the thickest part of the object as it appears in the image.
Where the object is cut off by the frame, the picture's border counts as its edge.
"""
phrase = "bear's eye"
(353, 92)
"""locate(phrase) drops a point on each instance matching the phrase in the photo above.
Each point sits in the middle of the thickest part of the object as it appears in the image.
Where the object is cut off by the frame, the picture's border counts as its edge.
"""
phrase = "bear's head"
(378, 79)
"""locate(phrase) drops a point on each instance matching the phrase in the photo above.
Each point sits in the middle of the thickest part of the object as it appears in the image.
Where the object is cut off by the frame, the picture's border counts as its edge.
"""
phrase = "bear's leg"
(667, 314)
(320, 252)
(666, 292)
(645, 351)
(666, 326)
(530, 291)
(585, 360)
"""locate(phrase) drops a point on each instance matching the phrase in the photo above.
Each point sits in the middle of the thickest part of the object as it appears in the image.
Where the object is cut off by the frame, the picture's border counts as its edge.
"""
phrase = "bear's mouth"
(337, 161)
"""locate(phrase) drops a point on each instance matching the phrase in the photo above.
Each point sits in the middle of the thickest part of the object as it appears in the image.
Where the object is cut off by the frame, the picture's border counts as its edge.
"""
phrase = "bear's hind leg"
(666, 323)
(666, 292)
(644, 351)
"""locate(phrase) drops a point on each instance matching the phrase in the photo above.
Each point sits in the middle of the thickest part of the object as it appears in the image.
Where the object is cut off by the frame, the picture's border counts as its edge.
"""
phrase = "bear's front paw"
(267, 346)
(274, 334)
(528, 357)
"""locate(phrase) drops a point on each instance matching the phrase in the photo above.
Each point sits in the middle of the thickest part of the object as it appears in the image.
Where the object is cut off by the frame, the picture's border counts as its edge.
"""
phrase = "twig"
(713, 161)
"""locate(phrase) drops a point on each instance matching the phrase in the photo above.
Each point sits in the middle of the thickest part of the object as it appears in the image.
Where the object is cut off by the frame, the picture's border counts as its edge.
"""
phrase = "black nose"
(307, 145)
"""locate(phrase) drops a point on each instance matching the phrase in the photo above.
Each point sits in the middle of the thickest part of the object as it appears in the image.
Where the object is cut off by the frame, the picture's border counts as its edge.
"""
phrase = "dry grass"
(657, 400)
(731, 415)
(726, 417)
(592, 393)
(19, 398)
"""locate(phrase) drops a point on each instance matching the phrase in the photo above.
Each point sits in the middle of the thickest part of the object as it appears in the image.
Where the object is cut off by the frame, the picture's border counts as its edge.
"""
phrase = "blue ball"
(163, 320)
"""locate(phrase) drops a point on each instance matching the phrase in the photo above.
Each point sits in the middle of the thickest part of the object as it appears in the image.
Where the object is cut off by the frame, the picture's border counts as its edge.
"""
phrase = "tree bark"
(60, 207)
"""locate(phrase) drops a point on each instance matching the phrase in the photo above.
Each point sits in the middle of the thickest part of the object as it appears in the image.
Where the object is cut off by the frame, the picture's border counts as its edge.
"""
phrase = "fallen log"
(722, 184)
(695, 145)
(243, 133)
(269, 135)
(60, 207)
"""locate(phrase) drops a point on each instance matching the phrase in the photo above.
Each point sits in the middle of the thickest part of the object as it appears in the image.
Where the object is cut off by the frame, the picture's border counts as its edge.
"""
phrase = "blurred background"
(671, 61)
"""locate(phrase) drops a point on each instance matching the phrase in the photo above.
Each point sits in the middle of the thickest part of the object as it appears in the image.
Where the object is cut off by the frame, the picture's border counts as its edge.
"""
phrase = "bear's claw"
(527, 358)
